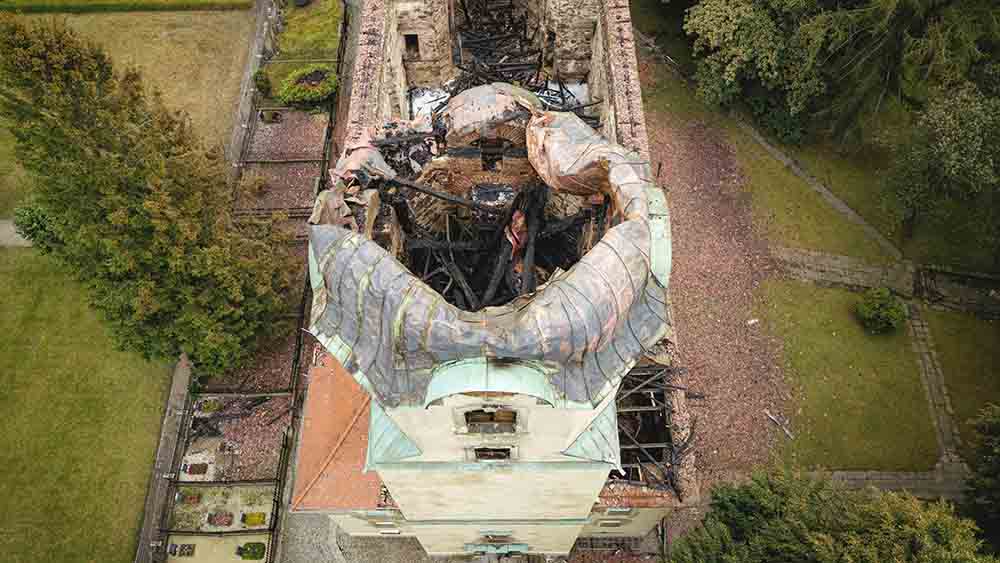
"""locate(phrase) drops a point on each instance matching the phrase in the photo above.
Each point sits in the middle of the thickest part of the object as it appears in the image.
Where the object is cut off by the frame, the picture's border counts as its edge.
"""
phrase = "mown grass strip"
(81, 422)
(970, 359)
(85, 7)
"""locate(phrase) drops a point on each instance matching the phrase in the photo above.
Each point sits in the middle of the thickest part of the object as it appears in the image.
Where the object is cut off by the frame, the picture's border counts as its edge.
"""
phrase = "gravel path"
(308, 538)
(719, 260)
(298, 134)
(9, 236)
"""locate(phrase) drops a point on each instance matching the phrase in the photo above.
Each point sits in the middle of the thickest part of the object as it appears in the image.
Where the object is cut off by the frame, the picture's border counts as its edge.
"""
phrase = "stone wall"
(574, 23)
(808, 265)
(432, 65)
(597, 83)
(373, 81)
(614, 77)
(350, 32)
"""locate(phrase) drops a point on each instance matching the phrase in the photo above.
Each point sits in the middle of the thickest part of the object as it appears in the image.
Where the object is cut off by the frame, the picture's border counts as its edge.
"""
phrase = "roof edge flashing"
(491, 375)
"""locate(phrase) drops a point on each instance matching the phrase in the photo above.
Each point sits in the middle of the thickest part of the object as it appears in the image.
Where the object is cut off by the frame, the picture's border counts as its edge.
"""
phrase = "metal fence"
(266, 23)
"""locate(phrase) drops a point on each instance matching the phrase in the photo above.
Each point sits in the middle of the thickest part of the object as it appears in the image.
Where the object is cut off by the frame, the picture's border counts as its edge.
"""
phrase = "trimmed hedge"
(83, 6)
(292, 92)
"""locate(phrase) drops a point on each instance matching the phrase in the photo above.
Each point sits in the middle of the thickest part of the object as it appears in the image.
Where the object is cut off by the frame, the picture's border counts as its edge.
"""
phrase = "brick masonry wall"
(373, 87)
(623, 76)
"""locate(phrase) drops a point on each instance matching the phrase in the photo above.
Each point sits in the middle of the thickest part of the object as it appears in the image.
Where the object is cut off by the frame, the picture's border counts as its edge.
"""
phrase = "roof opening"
(412, 45)
(492, 454)
(491, 421)
(491, 151)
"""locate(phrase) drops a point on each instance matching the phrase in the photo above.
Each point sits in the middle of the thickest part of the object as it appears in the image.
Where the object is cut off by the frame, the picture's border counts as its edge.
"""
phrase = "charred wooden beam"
(463, 284)
(561, 225)
(649, 446)
(400, 139)
(536, 210)
(434, 193)
(650, 408)
(433, 244)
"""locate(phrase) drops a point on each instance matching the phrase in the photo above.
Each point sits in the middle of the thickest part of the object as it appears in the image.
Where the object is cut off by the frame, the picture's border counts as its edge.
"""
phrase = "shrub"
(252, 551)
(772, 114)
(880, 311)
(262, 82)
(253, 184)
(308, 85)
(33, 223)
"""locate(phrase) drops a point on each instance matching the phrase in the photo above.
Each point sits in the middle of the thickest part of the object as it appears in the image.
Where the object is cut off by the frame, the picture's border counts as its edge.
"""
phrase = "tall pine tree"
(135, 204)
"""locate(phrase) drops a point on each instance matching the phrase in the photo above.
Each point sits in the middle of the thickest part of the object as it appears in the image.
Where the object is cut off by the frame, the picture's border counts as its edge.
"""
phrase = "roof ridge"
(333, 452)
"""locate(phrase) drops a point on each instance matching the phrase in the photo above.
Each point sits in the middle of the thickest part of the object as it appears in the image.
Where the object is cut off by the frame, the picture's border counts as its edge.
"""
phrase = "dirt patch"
(269, 371)
(718, 261)
(297, 134)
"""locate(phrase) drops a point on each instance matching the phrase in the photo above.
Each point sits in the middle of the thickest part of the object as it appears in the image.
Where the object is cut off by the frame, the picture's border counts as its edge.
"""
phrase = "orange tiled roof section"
(332, 445)
(628, 495)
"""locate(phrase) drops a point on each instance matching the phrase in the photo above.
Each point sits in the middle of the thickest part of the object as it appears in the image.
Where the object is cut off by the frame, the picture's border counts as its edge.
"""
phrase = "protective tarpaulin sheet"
(588, 325)
(469, 112)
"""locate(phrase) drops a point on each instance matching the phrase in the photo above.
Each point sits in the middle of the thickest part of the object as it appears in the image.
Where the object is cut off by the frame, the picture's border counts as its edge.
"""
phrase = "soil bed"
(298, 134)
(235, 439)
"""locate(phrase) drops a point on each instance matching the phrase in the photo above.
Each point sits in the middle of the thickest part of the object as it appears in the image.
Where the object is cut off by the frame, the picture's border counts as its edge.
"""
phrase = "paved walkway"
(934, 385)
(159, 487)
(9, 236)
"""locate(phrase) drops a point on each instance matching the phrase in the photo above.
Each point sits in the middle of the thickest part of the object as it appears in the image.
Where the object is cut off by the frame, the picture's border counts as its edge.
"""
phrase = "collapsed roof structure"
(490, 282)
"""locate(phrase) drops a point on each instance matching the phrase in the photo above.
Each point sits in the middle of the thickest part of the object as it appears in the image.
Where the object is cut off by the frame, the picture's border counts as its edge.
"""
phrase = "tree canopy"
(984, 481)
(952, 156)
(779, 518)
(838, 60)
(135, 204)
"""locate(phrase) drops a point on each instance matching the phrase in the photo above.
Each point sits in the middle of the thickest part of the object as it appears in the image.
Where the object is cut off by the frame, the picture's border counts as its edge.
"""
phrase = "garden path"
(9, 236)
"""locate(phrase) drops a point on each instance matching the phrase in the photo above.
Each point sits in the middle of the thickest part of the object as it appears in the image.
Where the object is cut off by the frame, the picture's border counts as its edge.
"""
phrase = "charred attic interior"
(466, 212)
(489, 263)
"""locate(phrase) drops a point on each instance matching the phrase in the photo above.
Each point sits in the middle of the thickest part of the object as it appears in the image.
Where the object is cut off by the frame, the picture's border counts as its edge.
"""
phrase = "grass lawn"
(81, 422)
(82, 6)
(792, 213)
(861, 404)
(857, 176)
(196, 60)
(311, 32)
(968, 349)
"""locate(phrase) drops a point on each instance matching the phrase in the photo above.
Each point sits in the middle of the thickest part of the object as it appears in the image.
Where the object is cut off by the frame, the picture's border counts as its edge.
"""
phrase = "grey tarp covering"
(588, 325)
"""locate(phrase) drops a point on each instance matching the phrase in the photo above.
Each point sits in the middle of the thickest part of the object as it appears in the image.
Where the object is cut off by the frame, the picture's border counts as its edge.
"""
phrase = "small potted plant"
(251, 551)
